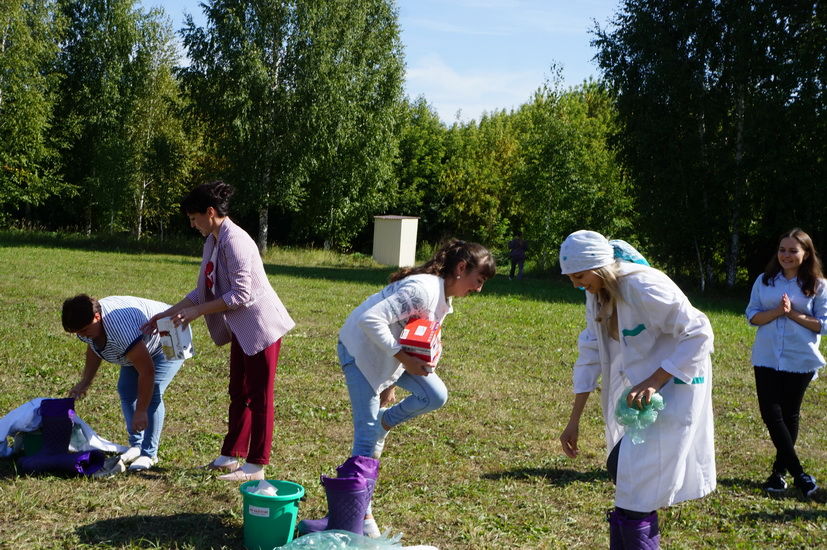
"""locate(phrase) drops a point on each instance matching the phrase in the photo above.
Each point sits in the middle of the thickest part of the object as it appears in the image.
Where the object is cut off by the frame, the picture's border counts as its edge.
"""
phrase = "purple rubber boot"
(56, 425)
(355, 466)
(634, 534)
(615, 536)
(347, 501)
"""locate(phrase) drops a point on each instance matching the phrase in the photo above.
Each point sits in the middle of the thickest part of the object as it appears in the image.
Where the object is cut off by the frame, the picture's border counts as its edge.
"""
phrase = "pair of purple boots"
(348, 497)
(54, 456)
(626, 533)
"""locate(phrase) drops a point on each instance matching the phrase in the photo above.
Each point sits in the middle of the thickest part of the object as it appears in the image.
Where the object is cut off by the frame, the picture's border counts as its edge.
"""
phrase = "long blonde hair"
(608, 297)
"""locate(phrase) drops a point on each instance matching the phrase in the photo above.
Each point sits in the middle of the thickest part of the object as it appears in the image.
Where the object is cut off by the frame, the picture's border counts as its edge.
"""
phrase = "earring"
(457, 276)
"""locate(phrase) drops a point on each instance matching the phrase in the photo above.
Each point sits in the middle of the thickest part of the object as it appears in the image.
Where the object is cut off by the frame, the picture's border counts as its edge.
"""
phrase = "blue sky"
(471, 56)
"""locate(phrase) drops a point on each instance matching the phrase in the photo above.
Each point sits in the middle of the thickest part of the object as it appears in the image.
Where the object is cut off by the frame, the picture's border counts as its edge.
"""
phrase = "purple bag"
(54, 456)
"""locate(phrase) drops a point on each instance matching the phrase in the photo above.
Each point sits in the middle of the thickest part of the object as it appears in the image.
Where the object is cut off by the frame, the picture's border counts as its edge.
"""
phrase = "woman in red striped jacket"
(240, 307)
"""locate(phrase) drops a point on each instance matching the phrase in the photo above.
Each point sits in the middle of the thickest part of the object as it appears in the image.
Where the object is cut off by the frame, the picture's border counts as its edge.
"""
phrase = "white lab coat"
(658, 327)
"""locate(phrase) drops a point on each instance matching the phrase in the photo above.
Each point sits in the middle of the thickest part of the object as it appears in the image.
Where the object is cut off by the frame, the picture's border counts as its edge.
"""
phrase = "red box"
(421, 339)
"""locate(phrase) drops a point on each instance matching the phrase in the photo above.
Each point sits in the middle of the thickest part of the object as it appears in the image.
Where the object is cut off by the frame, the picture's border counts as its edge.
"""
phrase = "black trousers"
(779, 399)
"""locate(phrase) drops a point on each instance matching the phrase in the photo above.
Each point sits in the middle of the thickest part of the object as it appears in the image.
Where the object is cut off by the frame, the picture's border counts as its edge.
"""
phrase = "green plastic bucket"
(270, 521)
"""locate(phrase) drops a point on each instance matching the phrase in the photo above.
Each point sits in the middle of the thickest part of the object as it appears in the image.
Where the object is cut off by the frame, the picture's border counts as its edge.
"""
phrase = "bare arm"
(152, 324)
(571, 433)
(641, 394)
(142, 361)
(93, 362)
(188, 314)
(413, 365)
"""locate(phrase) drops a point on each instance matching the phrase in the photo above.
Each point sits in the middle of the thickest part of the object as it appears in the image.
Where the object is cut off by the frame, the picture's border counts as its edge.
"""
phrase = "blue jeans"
(165, 371)
(428, 393)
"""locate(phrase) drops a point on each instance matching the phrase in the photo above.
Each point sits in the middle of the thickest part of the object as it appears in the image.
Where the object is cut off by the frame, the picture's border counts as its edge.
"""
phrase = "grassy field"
(485, 472)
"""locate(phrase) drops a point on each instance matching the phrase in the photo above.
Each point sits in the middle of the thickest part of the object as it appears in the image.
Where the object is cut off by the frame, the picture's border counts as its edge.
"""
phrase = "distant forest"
(703, 140)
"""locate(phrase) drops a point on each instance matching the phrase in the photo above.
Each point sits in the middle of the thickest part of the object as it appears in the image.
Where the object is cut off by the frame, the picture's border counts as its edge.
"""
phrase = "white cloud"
(472, 92)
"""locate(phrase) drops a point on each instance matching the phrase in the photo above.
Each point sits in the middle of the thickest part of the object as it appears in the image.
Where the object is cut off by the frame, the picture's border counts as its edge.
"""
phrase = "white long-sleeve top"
(371, 332)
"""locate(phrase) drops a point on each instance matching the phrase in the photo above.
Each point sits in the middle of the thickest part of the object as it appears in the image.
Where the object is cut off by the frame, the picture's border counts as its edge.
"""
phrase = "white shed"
(394, 240)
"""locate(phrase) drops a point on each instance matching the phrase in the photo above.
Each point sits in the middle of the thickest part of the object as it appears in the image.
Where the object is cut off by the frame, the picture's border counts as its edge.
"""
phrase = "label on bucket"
(258, 511)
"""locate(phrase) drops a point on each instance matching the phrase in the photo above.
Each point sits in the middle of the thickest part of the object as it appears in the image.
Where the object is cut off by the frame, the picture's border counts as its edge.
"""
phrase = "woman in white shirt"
(373, 361)
(642, 332)
(788, 304)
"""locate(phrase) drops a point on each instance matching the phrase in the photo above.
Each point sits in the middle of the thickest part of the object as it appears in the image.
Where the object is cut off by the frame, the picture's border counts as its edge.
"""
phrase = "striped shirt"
(122, 317)
(256, 316)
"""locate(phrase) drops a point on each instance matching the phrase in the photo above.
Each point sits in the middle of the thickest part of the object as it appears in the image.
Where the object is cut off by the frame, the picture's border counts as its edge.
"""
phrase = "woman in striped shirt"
(111, 328)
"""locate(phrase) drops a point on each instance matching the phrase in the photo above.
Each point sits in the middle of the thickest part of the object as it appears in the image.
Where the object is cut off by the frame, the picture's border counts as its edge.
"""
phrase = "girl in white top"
(641, 331)
(372, 358)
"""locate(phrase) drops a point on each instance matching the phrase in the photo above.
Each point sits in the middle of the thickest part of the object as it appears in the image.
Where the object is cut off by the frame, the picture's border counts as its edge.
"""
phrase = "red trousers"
(252, 377)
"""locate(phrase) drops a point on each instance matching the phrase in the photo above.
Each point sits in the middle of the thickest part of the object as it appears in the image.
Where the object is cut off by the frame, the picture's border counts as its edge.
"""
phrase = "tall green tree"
(570, 178)
(477, 181)
(715, 99)
(160, 149)
(304, 97)
(239, 82)
(348, 98)
(29, 38)
(95, 99)
(422, 152)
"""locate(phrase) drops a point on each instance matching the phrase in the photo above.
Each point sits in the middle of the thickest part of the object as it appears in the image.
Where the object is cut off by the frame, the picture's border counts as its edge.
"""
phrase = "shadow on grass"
(789, 514)
(557, 477)
(751, 485)
(200, 531)
(739, 483)
(544, 288)
(186, 245)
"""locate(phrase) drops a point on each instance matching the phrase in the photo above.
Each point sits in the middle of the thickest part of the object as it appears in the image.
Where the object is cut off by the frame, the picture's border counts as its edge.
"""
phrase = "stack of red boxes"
(420, 338)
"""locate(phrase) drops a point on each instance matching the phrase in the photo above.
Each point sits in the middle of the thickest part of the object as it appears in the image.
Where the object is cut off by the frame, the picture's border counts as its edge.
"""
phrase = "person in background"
(241, 308)
(373, 360)
(788, 304)
(111, 329)
(642, 334)
(517, 248)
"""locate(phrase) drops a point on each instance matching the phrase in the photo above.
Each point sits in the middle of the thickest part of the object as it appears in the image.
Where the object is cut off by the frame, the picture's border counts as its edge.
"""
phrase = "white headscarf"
(584, 250)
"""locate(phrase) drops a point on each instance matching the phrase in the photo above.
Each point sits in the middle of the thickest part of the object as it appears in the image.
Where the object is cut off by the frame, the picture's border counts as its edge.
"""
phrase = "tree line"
(702, 141)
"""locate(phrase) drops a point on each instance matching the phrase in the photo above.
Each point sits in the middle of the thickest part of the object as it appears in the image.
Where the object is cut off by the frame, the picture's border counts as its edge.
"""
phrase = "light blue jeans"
(428, 393)
(165, 371)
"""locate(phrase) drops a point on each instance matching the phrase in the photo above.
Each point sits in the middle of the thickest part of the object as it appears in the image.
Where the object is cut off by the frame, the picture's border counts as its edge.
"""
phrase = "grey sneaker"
(130, 455)
(143, 462)
(112, 466)
(806, 484)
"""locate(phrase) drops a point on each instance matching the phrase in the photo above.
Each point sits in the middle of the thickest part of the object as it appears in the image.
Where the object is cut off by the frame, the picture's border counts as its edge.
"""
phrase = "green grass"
(484, 472)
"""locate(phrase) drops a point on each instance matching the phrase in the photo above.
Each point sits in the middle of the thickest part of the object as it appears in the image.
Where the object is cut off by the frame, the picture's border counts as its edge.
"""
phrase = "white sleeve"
(754, 307)
(820, 305)
(410, 301)
(670, 312)
(587, 368)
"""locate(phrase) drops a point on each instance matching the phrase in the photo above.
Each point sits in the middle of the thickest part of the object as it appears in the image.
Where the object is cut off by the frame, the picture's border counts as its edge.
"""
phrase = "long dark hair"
(445, 260)
(809, 273)
(216, 194)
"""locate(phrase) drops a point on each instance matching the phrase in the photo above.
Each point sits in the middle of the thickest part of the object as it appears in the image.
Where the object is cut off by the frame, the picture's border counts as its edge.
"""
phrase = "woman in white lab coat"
(642, 332)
